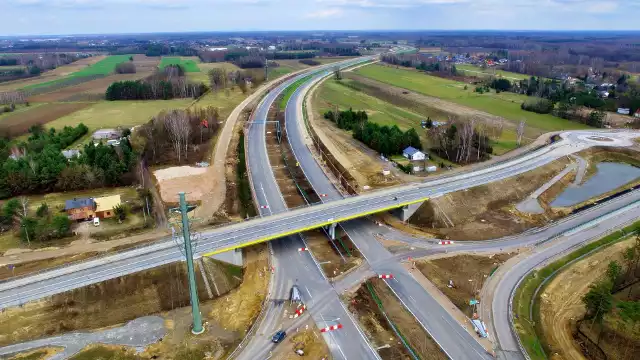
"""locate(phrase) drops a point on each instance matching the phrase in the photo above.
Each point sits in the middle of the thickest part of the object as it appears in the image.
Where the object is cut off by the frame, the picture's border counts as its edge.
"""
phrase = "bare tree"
(520, 132)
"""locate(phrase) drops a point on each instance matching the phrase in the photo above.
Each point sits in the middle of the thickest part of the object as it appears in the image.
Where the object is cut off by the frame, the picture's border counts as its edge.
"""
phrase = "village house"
(80, 209)
(105, 206)
(413, 154)
(637, 113)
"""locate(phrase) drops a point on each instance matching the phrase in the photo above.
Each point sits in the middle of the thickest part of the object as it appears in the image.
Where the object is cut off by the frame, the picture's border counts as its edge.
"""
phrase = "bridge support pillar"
(332, 231)
(406, 211)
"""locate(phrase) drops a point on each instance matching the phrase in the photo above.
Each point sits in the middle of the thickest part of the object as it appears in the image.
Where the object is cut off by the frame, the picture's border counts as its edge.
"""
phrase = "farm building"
(413, 154)
(107, 134)
(80, 209)
(105, 206)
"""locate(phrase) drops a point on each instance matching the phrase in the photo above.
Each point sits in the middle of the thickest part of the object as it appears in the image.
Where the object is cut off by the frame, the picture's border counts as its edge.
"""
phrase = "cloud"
(156, 4)
(326, 13)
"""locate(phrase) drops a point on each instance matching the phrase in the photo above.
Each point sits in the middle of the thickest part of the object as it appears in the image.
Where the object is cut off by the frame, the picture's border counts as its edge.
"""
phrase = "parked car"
(279, 336)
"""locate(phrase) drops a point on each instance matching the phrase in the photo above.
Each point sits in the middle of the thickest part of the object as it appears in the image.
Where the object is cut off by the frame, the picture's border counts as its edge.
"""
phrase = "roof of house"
(70, 153)
(411, 151)
(107, 202)
(78, 203)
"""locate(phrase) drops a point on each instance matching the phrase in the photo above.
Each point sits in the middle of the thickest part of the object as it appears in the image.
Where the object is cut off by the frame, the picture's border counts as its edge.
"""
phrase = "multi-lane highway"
(291, 266)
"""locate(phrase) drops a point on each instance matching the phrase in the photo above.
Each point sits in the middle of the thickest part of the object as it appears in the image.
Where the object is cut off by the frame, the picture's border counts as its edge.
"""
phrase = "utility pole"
(193, 289)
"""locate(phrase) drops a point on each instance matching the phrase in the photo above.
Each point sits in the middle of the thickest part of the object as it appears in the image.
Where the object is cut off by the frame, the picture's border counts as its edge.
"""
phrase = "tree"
(596, 119)
(60, 226)
(120, 212)
(43, 210)
(10, 210)
(599, 300)
(337, 74)
(28, 227)
(613, 271)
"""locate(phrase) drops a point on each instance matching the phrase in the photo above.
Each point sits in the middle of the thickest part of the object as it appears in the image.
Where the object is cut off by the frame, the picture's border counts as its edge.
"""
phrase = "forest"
(383, 139)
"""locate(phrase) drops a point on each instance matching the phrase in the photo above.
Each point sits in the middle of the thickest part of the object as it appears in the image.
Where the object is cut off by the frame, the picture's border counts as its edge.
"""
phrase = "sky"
(42, 17)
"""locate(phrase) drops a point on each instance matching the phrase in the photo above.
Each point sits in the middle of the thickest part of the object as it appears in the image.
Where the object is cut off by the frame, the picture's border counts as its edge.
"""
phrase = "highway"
(442, 327)
(291, 266)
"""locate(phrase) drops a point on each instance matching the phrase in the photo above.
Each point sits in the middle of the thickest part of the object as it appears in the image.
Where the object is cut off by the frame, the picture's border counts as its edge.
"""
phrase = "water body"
(609, 177)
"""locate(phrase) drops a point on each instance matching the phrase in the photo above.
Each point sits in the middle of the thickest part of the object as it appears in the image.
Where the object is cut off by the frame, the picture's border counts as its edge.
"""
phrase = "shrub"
(540, 106)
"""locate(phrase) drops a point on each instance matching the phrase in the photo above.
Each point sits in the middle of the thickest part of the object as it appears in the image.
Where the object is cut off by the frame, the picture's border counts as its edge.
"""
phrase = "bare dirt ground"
(468, 273)
(486, 211)
(379, 331)
(178, 178)
(19, 123)
(238, 310)
(52, 74)
(332, 263)
(375, 326)
(561, 301)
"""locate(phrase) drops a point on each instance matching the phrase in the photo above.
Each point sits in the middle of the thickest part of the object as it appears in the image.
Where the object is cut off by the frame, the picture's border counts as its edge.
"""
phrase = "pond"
(609, 177)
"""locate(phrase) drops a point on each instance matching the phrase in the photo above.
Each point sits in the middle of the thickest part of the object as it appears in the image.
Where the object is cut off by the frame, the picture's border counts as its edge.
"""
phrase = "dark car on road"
(279, 336)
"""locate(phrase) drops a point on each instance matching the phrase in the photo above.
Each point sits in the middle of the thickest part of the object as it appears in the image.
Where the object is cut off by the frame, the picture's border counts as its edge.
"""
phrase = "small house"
(70, 154)
(637, 113)
(413, 154)
(105, 206)
(80, 209)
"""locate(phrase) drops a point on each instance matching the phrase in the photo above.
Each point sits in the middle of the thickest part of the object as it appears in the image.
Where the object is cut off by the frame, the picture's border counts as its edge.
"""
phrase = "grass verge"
(247, 209)
(288, 92)
(529, 330)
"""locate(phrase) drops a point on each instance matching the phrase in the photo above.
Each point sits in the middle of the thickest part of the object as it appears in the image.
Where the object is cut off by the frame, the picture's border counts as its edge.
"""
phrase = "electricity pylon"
(197, 327)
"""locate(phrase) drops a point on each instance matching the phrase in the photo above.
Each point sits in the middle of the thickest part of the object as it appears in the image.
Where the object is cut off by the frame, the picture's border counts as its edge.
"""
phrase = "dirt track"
(561, 301)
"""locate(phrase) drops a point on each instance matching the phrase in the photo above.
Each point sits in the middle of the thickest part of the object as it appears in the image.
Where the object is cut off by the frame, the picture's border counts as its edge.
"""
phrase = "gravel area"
(138, 333)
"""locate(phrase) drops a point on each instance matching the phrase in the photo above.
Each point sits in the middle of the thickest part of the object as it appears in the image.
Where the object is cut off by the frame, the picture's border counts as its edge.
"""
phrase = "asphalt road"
(291, 266)
(442, 327)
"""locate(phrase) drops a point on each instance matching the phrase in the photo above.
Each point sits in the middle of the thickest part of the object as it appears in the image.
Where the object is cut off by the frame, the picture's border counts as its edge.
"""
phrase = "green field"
(111, 114)
(506, 105)
(102, 67)
(336, 93)
(189, 65)
(11, 67)
(472, 70)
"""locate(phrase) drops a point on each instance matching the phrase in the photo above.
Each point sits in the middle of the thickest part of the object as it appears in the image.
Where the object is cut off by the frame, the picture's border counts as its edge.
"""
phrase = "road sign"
(385, 276)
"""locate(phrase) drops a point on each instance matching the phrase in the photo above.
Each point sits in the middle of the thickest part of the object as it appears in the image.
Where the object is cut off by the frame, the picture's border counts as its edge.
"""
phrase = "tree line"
(383, 139)
(38, 166)
(221, 79)
(41, 226)
(169, 83)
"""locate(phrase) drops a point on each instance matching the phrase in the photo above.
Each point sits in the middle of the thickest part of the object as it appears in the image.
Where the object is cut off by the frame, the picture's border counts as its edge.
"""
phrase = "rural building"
(105, 206)
(624, 111)
(80, 209)
(413, 154)
(70, 154)
(637, 113)
(107, 134)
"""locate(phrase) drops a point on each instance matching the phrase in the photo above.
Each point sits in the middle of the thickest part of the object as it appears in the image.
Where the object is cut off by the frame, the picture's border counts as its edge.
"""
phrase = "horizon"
(100, 17)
